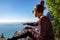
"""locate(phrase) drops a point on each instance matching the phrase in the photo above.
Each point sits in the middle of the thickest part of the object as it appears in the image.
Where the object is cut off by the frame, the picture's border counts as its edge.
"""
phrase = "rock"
(3, 39)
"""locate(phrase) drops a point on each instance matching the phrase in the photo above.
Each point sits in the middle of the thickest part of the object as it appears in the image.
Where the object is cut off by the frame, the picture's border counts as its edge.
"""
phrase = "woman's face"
(35, 12)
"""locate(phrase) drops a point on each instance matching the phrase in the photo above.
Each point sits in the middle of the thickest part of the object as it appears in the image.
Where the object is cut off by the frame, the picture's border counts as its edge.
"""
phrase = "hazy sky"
(18, 10)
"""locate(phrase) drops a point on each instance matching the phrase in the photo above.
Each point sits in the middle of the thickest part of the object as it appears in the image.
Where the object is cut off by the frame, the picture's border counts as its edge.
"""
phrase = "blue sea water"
(8, 29)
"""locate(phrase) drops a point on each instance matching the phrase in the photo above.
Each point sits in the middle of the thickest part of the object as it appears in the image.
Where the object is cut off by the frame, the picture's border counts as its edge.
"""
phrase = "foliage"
(54, 8)
(15, 32)
(2, 36)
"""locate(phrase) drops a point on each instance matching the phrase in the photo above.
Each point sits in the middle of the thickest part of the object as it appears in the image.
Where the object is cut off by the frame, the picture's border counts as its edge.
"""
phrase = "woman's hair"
(40, 7)
(42, 3)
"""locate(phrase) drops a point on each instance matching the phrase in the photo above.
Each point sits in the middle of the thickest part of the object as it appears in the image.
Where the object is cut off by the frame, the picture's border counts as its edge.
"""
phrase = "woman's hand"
(30, 30)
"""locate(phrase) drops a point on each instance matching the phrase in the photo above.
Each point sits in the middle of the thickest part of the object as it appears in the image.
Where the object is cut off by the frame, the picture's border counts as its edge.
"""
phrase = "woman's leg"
(24, 35)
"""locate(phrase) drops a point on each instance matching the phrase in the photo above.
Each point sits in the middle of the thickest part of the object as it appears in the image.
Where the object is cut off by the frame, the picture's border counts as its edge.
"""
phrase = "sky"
(18, 10)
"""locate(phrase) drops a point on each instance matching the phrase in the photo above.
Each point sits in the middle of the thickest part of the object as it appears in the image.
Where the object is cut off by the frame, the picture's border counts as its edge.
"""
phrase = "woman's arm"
(31, 24)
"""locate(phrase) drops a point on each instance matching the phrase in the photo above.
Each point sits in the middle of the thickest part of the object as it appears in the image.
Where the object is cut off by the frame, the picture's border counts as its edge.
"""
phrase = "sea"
(8, 29)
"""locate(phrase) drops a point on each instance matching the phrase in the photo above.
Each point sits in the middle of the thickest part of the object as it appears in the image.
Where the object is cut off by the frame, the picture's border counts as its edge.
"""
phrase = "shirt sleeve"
(33, 24)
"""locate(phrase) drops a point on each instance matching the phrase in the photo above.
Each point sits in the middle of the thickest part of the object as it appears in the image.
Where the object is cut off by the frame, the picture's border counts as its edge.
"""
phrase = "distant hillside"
(50, 17)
